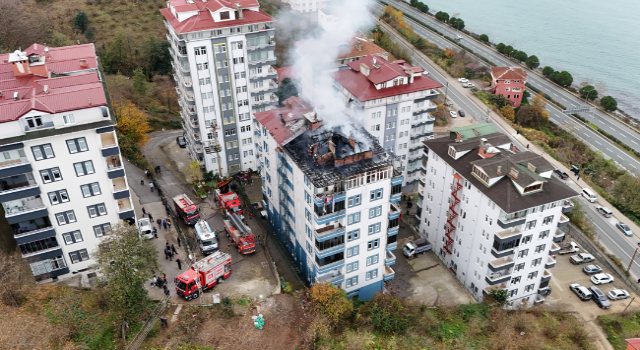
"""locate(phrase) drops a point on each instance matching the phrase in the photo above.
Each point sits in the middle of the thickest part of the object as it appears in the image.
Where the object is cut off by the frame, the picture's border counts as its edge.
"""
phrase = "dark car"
(592, 269)
(561, 174)
(599, 297)
(181, 142)
(461, 113)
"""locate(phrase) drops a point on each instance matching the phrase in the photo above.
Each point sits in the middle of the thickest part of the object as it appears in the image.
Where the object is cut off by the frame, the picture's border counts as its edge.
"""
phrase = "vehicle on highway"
(589, 195)
(582, 292)
(604, 211)
(601, 278)
(618, 294)
(581, 258)
(463, 80)
(599, 297)
(592, 269)
(561, 174)
(468, 85)
(453, 114)
(144, 228)
(461, 113)
(624, 228)
(458, 37)
(181, 142)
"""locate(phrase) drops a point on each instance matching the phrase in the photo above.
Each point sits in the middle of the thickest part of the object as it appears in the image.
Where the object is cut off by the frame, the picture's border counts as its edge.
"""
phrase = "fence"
(602, 258)
(148, 325)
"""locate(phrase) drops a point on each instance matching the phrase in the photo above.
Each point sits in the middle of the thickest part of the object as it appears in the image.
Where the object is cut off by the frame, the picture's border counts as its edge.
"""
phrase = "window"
(222, 64)
(518, 267)
(526, 239)
(228, 119)
(78, 256)
(353, 235)
(38, 245)
(202, 50)
(373, 244)
(244, 116)
(375, 195)
(543, 234)
(529, 288)
(34, 122)
(536, 262)
(529, 225)
(353, 251)
(245, 128)
(97, 210)
(238, 60)
(77, 145)
(84, 168)
(375, 127)
(353, 218)
(352, 267)
(42, 152)
(57, 197)
(203, 66)
(232, 144)
(540, 248)
(66, 217)
(375, 212)
(247, 141)
(522, 253)
(68, 119)
(307, 214)
(547, 220)
(72, 237)
(224, 15)
(354, 201)
(373, 259)
(532, 275)
(229, 132)
(50, 175)
(308, 247)
(515, 280)
(236, 45)
(512, 293)
(372, 274)
(353, 281)
(375, 228)
(90, 190)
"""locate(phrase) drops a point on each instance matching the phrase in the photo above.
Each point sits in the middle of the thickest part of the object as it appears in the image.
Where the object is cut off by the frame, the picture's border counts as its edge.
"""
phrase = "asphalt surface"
(611, 125)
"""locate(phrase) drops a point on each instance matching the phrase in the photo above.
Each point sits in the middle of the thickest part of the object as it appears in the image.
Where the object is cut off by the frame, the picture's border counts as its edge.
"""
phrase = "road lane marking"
(598, 143)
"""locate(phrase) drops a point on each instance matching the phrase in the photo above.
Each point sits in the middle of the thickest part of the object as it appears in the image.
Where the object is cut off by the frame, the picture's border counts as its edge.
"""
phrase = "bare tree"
(21, 26)
(16, 277)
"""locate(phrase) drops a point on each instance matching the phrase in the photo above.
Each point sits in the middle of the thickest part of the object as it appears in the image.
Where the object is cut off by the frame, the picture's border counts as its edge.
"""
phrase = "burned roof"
(495, 138)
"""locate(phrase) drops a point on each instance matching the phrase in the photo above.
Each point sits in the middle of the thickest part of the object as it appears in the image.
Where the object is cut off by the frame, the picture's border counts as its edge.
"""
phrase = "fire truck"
(203, 275)
(240, 234)
(229, 201)
(186, 209)
(206, 238)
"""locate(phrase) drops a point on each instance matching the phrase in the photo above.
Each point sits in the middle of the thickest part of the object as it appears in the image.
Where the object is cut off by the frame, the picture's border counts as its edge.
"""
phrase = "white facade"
(307, 6)
(223, 75)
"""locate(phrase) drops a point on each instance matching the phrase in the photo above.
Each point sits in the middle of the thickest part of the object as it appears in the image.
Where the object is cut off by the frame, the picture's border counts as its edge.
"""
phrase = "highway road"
(588, 135)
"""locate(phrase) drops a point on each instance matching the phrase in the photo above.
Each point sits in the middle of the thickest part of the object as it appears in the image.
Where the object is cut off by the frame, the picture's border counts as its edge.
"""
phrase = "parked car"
(618, 294)
(145, 230)
(604, 211)
(468, 85)
(624, 228)
(601, 278)
(463, 80)
(453, 114)
(592, 269)
(582, 292)
(599, 297)
(181, 142)
(561, 174)
(461, 113)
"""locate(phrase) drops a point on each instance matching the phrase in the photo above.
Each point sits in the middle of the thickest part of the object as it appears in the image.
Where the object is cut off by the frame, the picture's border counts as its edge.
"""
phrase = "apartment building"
(308, 8)
(510, 82)
(223, 53)
(332, 196)
(62, 180)
(392, 100)
(491, 213)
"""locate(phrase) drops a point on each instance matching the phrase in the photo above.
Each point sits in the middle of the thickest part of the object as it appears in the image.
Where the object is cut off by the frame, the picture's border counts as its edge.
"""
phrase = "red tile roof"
(367, 48)
(511, 73)
(203, 19)
(273, 119)
(363, 87)
(286, 72)
(65, 93)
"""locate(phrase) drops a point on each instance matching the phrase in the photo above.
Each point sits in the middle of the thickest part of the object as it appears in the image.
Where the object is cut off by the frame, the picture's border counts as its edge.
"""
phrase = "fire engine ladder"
(238, 224)
(452, 215)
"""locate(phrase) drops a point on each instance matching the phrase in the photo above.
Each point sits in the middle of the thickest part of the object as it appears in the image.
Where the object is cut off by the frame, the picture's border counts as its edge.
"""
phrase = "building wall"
(515, 96)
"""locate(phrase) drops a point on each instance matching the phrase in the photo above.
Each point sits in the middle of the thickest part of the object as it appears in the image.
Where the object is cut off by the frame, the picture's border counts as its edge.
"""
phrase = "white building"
(309, 8)
(491, 213)
(393, 101)
(331, 198)
(223, 52)
(62, 181)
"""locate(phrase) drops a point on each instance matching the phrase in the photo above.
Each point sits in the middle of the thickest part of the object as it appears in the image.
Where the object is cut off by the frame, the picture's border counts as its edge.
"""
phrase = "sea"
(597, 42)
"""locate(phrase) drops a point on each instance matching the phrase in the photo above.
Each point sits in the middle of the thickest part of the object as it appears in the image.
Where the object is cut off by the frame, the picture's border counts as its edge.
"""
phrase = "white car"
(601, 278)
(463, 80)
(144, 228)
(618, 294)
(453, 114)
(468, 85)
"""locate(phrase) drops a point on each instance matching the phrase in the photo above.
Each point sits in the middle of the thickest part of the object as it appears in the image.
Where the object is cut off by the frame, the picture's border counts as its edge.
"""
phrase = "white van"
(589, 195)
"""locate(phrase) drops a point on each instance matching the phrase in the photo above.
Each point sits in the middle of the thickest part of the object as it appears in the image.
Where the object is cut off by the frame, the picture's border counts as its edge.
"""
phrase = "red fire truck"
(229, 201)
(186, 209)
(240, 234)
(203, 275)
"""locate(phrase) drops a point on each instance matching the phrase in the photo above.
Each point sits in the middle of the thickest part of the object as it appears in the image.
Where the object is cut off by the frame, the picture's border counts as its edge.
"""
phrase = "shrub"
(589, 92)
(484, 38)
(532, 62)
(609, 103)
(387, 314)
(520, 56)
(442, 16)
(330, 302)
(500, 47)
(547, 71)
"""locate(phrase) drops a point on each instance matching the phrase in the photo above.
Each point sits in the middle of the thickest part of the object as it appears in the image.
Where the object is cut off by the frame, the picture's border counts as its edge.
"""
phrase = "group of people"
(161, 282)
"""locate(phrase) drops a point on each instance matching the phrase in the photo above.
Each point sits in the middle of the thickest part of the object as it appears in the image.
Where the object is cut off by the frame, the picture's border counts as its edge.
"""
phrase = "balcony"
(551, 262)
(328, 232)
(22, 205)
(388, 274)
(564, 221)
(334, 277)
(555, 249)
(37, 123)
(389, 259)
(113, 162)
(125, 209)
(340, 214)
(546, 276)
(16, 182)
(392, 246)
(489, 289)
(496, 277)
(108, 140)
(31, 226)
(337, 194)
(329, 251)
(558, 236)
(13, 158)
(395, 198)
(394, 211)
(427, 106)
(321, 270)
(392, 231)
(120, 188)
(501, 263)
(567, 206)
(512, 220)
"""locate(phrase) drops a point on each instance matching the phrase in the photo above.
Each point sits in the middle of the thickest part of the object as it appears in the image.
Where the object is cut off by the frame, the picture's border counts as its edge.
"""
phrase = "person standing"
(151, 186)
(142, 180)
(168, 222)
(166, 291)
(164, 224)
(173, 249)
(144, 212)
(166, 254)
(164, 278)
(179, 242)
(170, 255)
(251, 181)
(150, 217)
(179, 263)
(163, 322)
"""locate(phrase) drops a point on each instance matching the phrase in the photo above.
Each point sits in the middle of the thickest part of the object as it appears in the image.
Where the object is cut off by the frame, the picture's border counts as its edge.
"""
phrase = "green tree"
(563, 78)
(499, 100)
(500, 47)
(126, 263)
(609, 103)
(329, 301)
(81, 21)
(525, 97)
(386, 314)
(499, 296)
(139, 82)
(469, 73)
(286, 89)
(589, 92)
(627, 192)
(420, 6)
(90, 34)
(457, 23)
(520, 56)
(442, 16)
(120, 55)
(547, 71)
(484, 38)
(157, 56)
(509, 50)
(532, 62)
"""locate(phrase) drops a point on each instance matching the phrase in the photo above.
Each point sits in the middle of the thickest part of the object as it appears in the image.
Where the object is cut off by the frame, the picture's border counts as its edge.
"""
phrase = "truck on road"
(581, 258)
(186, 209)
(239, 234)
(229, 201)
(203, 275)
(416, 247)
(567, 248)
(206, 238)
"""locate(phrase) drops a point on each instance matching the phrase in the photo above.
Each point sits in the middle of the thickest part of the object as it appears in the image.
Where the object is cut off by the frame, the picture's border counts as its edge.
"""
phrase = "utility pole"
(631, 302)
(633, 257)
(445, 93)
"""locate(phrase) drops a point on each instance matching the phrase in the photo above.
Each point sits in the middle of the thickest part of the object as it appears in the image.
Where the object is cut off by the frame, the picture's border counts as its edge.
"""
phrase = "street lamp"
(588, 93)
(633, 257)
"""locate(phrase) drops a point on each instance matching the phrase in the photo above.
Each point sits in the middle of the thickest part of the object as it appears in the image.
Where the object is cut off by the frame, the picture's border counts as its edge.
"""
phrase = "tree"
(81, 21)
(286, 89)
(499, 296)
(547, 71)
(508, 50)
(520, 56)
(499, 100)
(126, 263)
(420, 6)
(469, 73)
(132, 128)
(589, 92)
(329, 301)
(119, 57)
(508, 113)
(609, 103)
(525, 97)
(563, 78)
(90, 34)
(532, 62)
(627, 192)
(194, 172)
(157, 58)
(442, 16)
(535, 114)
(484, 38)
(386, 314)
(500, 47)
(16, 277)
(139, 83)
(457, 23)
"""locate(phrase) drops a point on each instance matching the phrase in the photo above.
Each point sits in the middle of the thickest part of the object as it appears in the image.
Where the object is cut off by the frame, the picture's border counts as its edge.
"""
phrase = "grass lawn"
(620, 327)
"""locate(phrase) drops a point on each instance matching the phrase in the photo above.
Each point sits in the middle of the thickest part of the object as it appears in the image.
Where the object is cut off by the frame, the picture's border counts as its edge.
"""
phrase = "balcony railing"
(497, 263)
(567, 206)
(394, 211)
(498, 276)
(31, 226)
(124, 204)
(328, 232)
(119, 184)
(43, 125)
(389, 259)
(388, 273)
(564, 221)
(16, 182)
(323, 219)
(16, 157)
(334, 276)
(551, 262)
(113, 162)
(18, 206)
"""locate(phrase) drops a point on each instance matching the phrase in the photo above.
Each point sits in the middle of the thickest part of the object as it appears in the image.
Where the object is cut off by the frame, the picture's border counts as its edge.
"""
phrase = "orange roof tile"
(511, 73)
